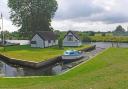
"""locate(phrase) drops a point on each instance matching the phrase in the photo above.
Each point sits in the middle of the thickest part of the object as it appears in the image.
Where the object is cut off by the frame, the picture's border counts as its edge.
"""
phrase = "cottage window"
(33, 42)
(49, 41)
(70, 38)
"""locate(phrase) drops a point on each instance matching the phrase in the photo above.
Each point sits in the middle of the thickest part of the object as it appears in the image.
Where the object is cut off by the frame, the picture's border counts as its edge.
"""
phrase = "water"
(21, 42)
(11, 71)
(109, 44)
(98, 44)
(7, 70)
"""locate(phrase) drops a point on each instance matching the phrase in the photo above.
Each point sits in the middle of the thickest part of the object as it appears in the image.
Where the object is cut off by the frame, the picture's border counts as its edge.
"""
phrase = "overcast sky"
(82, 15)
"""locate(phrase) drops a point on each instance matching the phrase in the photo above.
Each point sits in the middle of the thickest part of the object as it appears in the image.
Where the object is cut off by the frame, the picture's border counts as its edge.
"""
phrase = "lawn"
(108, 70)
(28, 53)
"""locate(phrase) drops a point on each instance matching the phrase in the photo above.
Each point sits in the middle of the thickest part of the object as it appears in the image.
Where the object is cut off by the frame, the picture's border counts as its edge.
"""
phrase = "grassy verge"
(35, 54)
(106, 71)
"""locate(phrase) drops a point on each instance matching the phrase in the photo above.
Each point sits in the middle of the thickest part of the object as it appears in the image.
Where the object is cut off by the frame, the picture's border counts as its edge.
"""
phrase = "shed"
(44, 39)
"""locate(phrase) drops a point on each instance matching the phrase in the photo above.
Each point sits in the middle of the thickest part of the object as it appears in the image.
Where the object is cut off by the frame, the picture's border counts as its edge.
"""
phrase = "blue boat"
(72, 55)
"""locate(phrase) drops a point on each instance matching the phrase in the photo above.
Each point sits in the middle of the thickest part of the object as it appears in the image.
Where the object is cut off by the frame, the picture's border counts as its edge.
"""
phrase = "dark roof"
(47, 35)
(74, 33)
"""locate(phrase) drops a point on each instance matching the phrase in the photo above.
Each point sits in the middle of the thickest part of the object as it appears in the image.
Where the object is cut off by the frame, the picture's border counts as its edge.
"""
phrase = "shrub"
(60, 43)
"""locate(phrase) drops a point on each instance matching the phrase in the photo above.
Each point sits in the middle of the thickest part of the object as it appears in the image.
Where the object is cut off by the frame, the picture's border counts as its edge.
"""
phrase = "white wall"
(74, 38)
(52, 43)
(74, 42)
(46, 44)
(39, 42)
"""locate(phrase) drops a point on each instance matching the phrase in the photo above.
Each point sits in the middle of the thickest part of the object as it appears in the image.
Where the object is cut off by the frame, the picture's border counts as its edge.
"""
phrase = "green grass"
(35, 54)
(107, 38)
(108, 70)
(107, 34)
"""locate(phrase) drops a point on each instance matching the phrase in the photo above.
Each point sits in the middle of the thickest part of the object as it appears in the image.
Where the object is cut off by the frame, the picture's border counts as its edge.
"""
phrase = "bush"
(103, 34)
(86, 39)
(60, 43)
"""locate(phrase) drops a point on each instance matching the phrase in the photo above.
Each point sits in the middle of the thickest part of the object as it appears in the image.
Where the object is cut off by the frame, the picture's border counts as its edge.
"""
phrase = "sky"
(81, 15)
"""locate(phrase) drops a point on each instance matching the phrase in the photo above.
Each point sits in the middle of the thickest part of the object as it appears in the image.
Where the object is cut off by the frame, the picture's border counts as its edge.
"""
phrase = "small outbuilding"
(44, 39)
(72, 39)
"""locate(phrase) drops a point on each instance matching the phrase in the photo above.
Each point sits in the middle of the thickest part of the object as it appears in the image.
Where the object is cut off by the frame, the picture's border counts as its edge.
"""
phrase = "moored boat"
(72, 55)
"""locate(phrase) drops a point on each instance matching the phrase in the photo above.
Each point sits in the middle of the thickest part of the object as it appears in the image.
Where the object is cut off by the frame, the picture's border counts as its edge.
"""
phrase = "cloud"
(107, 11)
(4, 9)
(65, 25)
(82, 15)
(111, 18)
(7, 24)
(70, 9)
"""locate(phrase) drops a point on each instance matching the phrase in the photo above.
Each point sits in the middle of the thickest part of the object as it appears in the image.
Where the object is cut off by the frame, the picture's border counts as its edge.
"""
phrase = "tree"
(32, 15)
(60, 43)
(7, 35)
(91, 33)
(58, 33)
(120, 29)
(86, 38)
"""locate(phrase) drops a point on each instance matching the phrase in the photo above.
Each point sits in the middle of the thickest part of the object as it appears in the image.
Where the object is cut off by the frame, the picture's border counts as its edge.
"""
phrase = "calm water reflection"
(11, 71)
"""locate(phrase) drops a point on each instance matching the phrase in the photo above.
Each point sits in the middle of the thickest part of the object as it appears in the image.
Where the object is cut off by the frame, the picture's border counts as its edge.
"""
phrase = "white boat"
(72, 55)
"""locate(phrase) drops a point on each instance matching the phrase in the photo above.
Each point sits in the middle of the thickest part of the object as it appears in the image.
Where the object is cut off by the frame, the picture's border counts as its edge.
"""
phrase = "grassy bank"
(35, 54)
(106, 71)
(109, 38)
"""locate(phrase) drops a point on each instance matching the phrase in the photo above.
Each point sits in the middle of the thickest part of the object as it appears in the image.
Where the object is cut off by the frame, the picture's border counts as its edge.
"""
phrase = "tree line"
(85, 35)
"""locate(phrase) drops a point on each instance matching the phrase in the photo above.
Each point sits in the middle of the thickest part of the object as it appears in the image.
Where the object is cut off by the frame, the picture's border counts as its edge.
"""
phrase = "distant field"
(108, 70)
(107, 34)
(107, 38)
(35, 54)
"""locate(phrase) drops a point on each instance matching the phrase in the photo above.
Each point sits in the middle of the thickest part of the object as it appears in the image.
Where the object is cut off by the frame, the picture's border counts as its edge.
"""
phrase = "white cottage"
(71, 39)
(44, 39)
